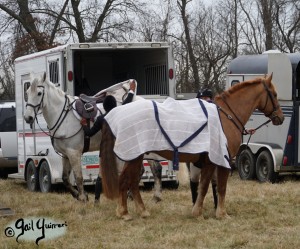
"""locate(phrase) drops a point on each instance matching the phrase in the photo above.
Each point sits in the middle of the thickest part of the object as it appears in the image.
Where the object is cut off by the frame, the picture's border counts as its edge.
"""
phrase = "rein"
(243, 130)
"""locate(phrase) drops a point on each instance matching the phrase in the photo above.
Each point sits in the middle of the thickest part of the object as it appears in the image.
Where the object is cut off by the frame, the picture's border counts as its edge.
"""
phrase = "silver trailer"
(272, 150)
(86, 68)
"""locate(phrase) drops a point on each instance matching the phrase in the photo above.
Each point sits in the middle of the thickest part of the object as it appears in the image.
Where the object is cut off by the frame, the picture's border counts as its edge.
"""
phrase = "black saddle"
(86, 99)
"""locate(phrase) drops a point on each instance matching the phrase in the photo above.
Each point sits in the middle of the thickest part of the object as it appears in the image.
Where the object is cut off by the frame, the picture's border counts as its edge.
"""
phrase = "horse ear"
(44, 77)
(270, 77)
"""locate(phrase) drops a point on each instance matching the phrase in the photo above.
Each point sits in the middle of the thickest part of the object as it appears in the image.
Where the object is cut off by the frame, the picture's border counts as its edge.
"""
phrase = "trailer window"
(26, 86)
(53, 71)
(7, 119)
(156, 80)
(234, 82)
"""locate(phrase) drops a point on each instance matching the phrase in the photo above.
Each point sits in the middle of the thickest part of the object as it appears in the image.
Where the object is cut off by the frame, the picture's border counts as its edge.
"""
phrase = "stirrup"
(88, 107)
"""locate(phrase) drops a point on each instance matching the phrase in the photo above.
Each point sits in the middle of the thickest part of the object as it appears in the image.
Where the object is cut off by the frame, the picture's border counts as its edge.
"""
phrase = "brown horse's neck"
(239, 102)
(242, 103)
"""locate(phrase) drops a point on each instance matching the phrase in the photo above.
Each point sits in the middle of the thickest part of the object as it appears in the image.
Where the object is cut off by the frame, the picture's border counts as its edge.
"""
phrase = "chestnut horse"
(235, 108)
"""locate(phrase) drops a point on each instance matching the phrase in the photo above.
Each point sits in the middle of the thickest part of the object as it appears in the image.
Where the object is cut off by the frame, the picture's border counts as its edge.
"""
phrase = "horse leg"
(129, 179)
(222, 177)
(66, 177)
(134, 185)
(214, 188)
(156, 170)
(206, 175)
(195, 173)
(75, 161)
(129, 192)
(124, 186)
(98, 189)
(122, 209)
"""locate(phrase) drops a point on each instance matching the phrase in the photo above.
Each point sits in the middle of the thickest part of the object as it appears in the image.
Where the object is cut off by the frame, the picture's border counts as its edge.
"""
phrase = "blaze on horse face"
(35, 98)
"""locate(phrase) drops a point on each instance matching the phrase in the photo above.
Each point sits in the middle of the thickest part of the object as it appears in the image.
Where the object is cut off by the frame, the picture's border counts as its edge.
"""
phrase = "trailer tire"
(45, 177)
(32, 177)
(148, 185)
(265, 167)
(246, 164)
(171, 184)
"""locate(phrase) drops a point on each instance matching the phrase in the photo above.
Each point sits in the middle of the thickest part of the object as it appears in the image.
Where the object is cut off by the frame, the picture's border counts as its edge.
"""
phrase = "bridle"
(65, 110)
(238, 123)
(38, 106)
(272, 115)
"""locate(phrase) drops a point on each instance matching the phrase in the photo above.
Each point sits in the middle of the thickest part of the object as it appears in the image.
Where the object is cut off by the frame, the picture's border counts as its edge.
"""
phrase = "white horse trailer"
(272, 150)
(86, 68)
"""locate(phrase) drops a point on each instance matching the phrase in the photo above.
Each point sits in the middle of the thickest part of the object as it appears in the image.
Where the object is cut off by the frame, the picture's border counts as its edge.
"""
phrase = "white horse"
(64, 127)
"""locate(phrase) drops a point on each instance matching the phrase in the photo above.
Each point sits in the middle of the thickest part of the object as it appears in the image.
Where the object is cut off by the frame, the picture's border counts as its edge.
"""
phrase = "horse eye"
(39, 94)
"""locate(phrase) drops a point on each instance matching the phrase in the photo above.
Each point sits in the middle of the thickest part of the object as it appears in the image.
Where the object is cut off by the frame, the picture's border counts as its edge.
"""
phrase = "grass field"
(262, 216)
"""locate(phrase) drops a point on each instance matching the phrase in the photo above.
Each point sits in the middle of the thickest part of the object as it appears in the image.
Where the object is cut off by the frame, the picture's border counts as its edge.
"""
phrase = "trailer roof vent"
(155, 45)
(84, 45)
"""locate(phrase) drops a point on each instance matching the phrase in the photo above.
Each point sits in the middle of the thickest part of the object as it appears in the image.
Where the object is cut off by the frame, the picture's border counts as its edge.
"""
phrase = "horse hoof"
(145, 214)
(156, 199)
(83, 198)
(97, 203)
(127, 217)
(222, 216)
(196, 211)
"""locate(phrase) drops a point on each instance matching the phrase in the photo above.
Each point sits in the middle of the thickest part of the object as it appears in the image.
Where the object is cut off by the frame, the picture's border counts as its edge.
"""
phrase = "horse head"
(268, 103)
(35, 99)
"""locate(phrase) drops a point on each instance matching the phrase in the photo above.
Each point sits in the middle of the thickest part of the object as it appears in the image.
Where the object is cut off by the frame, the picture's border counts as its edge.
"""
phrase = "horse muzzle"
(29, 119)
(277, 120)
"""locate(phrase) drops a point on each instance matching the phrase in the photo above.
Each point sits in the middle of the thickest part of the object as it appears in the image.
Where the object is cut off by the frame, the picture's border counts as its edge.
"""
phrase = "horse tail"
(109, 170)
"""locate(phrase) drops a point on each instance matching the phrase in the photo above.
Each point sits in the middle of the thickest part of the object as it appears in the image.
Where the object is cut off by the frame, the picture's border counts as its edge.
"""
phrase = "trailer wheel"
(245, 164)
(265, 167)
(45, 177)
(171, 184)
(148, 185)
(32, 177)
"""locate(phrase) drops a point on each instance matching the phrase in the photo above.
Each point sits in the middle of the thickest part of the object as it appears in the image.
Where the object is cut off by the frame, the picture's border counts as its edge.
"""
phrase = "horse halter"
(272, 115)
(38, 106)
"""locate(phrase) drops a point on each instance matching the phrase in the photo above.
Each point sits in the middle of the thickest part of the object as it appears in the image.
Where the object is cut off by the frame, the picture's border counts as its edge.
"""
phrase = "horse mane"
(35, 83)
(52, 85)
(239, 86)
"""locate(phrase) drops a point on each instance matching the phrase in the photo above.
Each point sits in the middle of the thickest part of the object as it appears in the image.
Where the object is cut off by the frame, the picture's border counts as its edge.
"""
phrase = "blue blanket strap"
(190, 138)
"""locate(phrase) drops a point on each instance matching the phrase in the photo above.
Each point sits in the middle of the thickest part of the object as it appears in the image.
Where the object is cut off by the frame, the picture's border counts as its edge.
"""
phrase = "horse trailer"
(86, 68)
(271, 150)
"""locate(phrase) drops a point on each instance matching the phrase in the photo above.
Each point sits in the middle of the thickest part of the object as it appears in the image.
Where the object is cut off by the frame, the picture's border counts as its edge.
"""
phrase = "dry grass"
(262, 216)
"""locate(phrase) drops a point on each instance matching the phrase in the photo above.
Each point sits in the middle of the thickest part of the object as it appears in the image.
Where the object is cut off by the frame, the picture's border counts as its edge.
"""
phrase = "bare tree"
(287, 16)
(252, 31)
(31, 29)
(214, 47)
(182, 5)
(7, 90)
(266, 10)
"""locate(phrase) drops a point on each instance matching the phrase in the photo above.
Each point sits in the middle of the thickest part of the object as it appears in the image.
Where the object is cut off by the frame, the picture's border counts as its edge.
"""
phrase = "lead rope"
(258, 127)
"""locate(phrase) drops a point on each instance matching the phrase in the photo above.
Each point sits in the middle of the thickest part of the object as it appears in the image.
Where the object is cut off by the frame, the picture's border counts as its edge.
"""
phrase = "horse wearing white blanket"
(130, 138)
